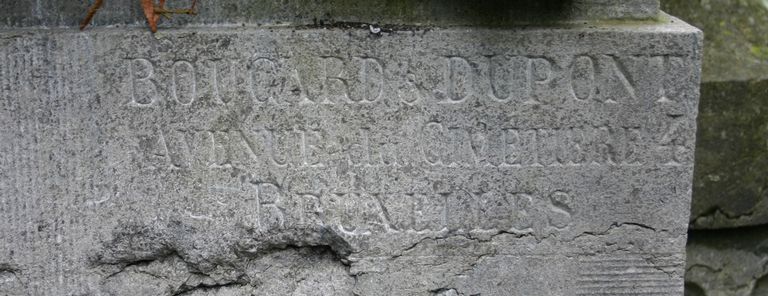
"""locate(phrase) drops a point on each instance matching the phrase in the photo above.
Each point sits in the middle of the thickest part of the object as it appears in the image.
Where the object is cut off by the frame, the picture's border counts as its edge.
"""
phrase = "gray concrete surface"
(478, 160)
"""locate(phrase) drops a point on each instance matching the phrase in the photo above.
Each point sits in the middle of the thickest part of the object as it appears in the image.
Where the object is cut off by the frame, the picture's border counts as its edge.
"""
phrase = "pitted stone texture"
(285, 161)
(54, 13)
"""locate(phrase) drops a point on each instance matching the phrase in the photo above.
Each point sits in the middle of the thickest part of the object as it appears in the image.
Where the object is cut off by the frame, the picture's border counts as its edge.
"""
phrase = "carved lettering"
(458, 81)
(311, 147)
(617, 77)
(335, 84)
(583, 78)
(433, 138)
(370, 84)
(509, 78)
(499, 78)
(184, 83)
(673, 144)
(264, 86)
(433, 145)
(561, 210)
(225, 80)
(276, 147)
(271, 214)
(220, 149)
(143, 86)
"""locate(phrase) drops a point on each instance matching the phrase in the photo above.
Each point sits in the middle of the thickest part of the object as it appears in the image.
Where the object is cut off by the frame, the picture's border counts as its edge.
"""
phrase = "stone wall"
(729, 216)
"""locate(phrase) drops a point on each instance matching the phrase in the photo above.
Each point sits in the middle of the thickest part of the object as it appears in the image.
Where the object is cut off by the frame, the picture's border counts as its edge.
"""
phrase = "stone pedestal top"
(55, 13)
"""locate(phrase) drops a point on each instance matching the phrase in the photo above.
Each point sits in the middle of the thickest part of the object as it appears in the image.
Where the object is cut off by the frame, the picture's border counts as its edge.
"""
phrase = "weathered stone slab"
(286, 161)
(55, 13)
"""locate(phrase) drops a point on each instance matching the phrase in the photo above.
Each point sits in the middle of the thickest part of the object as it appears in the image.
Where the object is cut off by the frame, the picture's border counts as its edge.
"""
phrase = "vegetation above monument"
(152, 11)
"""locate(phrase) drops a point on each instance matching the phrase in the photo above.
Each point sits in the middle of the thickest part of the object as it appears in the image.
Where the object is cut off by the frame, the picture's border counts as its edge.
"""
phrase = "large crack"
(143, 250)
(245, 259)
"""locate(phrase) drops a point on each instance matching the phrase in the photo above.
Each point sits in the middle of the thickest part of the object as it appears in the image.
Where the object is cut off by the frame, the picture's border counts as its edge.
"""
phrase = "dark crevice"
(702, 266)
(761, 287)
(716, 211)
(10, 268)
(444, 291)
(692, 289)
(746, 238)
(186, 290)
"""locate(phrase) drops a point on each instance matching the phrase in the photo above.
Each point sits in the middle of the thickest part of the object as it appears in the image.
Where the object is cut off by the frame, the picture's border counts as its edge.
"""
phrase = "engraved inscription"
(370, 80)
(449, 154)
(143, 85)
(583, 78)
(184, 83)
(274, 206)
(264, 80)
(225, 81)
(434, 145)
(363, 79)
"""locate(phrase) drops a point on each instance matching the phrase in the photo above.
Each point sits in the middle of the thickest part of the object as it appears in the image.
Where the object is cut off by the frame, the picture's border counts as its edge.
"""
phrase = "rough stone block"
(305, 161)
(731, 156)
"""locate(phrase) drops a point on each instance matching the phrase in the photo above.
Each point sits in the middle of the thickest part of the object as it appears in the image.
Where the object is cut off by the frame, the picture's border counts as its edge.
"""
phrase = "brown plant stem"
(91, 12)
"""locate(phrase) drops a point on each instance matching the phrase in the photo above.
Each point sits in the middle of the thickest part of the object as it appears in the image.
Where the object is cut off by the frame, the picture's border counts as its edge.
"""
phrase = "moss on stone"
(731, 175)
(736, 36)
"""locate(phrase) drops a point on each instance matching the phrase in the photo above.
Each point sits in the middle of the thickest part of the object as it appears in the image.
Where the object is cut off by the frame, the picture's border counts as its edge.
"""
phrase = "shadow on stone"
(497, 12)
(692, 289)
(761, 287)
(731, 170)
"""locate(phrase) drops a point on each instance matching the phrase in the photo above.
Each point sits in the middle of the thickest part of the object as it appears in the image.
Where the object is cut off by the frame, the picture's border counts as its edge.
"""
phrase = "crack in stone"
(446, 292)
(186, 289)
(467, 236)
(703, 266)
(617, 225)
(133, 265)
(716, 212)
